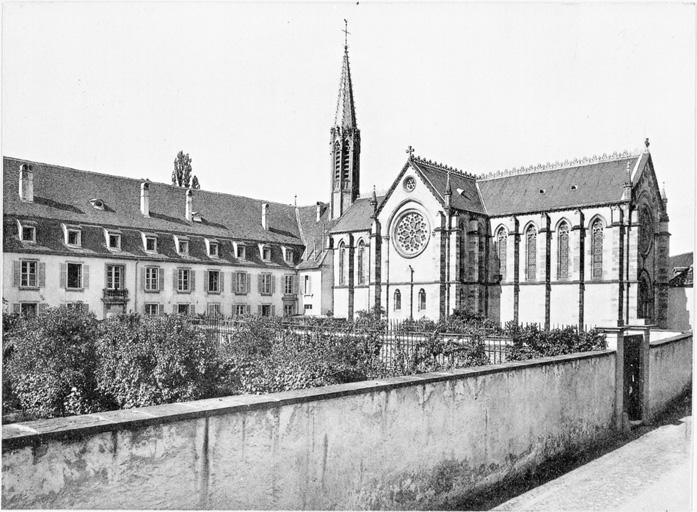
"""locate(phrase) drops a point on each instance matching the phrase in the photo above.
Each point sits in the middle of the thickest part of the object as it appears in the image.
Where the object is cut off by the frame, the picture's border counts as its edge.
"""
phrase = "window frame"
(27, 225)
(288, 279)
(187, 305)
(422, 300)
(397, 300)
(531, 250)
(23, 304)
(216, 306)
(597, 227)
(22, 273)
(501, 243)
(342, 265)
(307, 285)
(241, 278)
(150, 279)
(78, 237)
(81, 276)
(360, 263)
(240, 251)
(110, 276)
(150, 304)
(210, 244)
(239, 309)
(219, 275)
(180, 243)
(180, 280)
(146, 238)
(264, 251)
(266, 287)
(563, 246)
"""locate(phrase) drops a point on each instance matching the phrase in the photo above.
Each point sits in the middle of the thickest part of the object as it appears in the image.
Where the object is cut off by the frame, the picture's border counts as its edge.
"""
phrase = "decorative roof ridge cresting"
(443, 167)
(553, 166)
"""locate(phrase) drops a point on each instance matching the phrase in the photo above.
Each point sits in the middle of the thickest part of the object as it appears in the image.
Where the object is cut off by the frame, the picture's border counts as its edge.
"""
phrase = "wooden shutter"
(174, 309)
(260, 283)
(42, 275)
(192, 280)
(246, 282)
(42, 308)
(62, 276)
(16, 308)
(273, 284)
(206, 281)
(295, 284)
(248, 309)
(175, 279)
(85, 276)
(17, 272)
(259, 309)
(160, 279)
(273, 310)
(160, 309)
(222, 281)
(85, 307)
(142, 278)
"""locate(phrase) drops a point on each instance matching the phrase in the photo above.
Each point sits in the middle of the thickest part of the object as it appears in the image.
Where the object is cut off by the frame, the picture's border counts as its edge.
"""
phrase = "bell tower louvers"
(345, 146)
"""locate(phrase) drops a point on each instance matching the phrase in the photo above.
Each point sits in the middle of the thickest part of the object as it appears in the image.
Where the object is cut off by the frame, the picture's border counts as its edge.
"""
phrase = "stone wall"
(670, 370)
(409, 442)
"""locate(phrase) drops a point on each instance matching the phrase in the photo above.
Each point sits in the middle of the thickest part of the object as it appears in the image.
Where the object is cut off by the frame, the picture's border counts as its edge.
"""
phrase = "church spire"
(345, 143)
(344, 103)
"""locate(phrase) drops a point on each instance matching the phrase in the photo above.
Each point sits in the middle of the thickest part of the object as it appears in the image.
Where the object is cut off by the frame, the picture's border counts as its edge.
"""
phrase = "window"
(240, 309)
(183, 247)
(183, 309)
(288, 309)
(114, 277)
(422, 299)
(342, 257)
(79, 305)
(397, 300)
(266, 254)
(152, 308)
(289, 256)
(73, 237)
(114, 241)
(28, 308)
(241, 283)
(597, 249)
(214, 284)
(308, 285)
(213, 309)
(213, 249)
(152, 279)
(265, 284)
(563, 251)
(183, 280)
(288, 284)
(307, 307)
(28, 277)
(74, 276)
(360, 262)
(240, 252)
(531, 254)
(501, 248)
(151, 243)
(265, 310)
(28, 234)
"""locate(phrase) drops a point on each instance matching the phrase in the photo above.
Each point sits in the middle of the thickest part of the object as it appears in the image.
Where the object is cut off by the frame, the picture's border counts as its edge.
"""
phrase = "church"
(581, 242)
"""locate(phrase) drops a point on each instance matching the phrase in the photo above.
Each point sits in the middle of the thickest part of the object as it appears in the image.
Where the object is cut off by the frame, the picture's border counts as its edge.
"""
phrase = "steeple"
(345, 143)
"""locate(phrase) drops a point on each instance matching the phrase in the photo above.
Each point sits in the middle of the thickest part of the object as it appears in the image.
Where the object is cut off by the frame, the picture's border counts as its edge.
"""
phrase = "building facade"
(582, 242)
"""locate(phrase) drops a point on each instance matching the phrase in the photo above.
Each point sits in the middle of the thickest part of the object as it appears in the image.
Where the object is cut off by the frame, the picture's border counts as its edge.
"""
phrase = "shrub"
(52, 355)
(155, 360)
(531, 342)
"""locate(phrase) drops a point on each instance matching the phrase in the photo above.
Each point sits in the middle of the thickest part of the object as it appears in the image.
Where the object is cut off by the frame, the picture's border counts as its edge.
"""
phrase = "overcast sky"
(249, 91)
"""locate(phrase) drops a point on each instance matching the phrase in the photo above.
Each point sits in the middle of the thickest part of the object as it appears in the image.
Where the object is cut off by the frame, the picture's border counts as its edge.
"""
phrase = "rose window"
(411, 234)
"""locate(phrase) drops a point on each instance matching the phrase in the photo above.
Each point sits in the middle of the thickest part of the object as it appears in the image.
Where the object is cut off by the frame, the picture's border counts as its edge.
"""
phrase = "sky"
(249, 90)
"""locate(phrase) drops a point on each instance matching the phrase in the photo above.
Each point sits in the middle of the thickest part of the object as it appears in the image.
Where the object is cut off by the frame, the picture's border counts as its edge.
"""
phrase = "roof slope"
(681, 260)
(465, 195)
(598, 182)
(356, 218)
(64, 194)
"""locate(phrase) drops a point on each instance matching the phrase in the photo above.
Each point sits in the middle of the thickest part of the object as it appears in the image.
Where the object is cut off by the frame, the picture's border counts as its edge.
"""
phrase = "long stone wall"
(670, 370)
(410, 442)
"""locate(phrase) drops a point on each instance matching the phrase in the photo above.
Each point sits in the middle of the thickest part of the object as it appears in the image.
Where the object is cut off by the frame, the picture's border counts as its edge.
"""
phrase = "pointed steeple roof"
(344, 103)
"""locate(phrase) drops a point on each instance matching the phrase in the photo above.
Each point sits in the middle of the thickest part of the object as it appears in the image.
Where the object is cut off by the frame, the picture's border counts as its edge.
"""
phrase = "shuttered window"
(76, 276)
(266, 284)
(153, 279)
(241, 283)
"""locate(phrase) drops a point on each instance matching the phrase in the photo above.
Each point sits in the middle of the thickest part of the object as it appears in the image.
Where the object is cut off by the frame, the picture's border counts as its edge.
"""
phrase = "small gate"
(633, 376)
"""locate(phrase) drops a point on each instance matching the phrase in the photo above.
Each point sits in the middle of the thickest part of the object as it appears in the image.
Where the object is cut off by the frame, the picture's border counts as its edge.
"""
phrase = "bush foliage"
(530, 342)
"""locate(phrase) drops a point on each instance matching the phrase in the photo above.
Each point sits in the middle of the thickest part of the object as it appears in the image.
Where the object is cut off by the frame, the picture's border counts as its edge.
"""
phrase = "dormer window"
(98, 204)
(73, 235)
(27, 231)
(113, 240)
(149, 243)
(265, 252)
(288, 255)
(212, 248)
(241, 252)
(182, 245)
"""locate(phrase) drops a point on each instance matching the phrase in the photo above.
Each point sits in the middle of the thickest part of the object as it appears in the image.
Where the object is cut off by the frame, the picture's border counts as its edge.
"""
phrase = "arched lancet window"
(645, 229)
(397, 300)
(342, 259)
(563, 251)
(501, 247)
(645, 306)
(345, 159)
(422, 299)
(597, 249)
(360, 262)
(337, 161)
(531, 254)
(483, 240)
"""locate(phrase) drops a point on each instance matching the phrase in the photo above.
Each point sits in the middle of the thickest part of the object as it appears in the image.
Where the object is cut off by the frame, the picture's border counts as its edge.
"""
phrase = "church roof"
(681, 260)
(585, 183)
(64, 194)
(465, 195)
(357, 217)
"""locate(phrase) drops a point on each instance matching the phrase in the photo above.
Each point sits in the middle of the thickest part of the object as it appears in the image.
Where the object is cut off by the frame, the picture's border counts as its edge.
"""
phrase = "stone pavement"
(650, 473)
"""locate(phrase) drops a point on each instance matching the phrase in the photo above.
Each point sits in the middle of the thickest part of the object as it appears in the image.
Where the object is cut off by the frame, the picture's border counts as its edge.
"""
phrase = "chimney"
(189, 204)
(265, 215)
(319, 211)
(26, 183)
(145, 198)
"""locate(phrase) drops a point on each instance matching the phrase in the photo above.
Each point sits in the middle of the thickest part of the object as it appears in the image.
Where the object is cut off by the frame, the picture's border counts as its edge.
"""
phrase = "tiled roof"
(313, 234)
(64, 194)
(599, 182)
(681, 260)
(357, 217)
(465, 195)
(683, 278)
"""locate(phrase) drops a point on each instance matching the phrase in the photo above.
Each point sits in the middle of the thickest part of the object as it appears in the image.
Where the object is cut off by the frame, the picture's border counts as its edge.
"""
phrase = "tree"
(181, 175)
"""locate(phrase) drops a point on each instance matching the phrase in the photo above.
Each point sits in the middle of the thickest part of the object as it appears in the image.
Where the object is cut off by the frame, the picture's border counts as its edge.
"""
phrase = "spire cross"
(346, 33)
(410, 150)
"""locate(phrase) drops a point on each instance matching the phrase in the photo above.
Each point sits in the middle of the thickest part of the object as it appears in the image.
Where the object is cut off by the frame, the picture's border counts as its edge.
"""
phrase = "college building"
(579, 242)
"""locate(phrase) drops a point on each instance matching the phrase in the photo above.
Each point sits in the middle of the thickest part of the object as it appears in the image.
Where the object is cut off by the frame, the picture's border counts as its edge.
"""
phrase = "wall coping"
(672, 339)
(33, 433)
